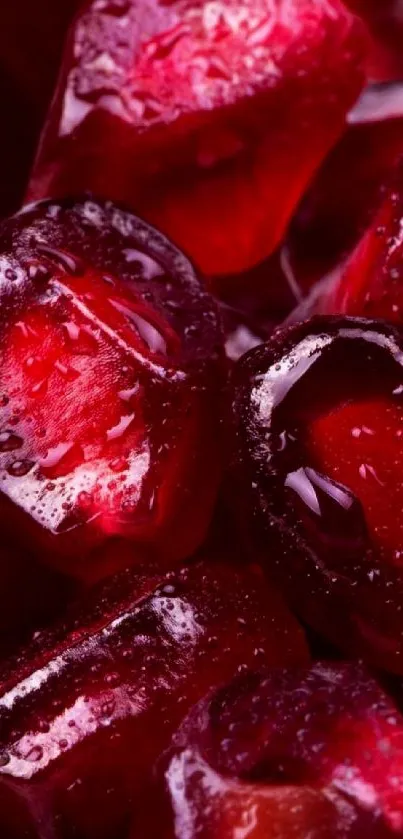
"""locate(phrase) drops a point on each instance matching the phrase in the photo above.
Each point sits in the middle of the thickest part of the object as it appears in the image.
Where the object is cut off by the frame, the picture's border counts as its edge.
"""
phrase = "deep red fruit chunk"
(385, 24)
(371, 284)
(285, 754)
(208, 119)
(110, 375)
(347, 191)
(85, 712)
(318, 458)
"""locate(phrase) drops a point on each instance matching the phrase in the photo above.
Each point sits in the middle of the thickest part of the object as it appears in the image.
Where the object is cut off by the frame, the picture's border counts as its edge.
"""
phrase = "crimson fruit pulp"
(318, 458)
(385, 25)
(285, 753)
(371, 284)
(111, 366)
(206, 118)
(85, 712)
(348, 189)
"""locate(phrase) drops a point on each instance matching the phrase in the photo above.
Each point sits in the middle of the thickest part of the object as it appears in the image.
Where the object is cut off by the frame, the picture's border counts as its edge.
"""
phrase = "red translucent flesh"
(318, 417)
(348, 189)
(315, 752)
(110, 374)
(371, 283)
(368, 433)
(85, 713)
(384, 21)
(178, 121)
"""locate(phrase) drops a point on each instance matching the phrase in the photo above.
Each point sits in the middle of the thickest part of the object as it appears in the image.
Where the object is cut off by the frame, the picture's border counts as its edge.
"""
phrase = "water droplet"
(112, 679)
(127, 395)
(143, 264)
(67, 261)
(81, 338)
(67, 371)
(40, 388)
(119, 464)
(19, 468)
(38, 272)
(9, 441)
(84, 499)
(150, 335)
(108, 707)
(119, 429)
(35, 754)
(10, 274)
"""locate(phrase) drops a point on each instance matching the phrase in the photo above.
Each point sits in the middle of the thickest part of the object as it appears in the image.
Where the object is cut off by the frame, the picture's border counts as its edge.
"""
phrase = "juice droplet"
(70, 264)
(119, 429)
(9, 441)
(19, 468)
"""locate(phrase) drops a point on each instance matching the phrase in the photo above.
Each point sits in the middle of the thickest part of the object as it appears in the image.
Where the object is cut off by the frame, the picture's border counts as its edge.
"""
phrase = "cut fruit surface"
(285, 753)
(85, 712)
(318, 415)
(110, 373)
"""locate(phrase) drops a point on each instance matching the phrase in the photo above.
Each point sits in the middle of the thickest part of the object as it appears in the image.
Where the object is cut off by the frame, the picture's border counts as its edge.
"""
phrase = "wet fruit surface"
(318, 415)
(202, 116)
(370, 284)
(85, 712)
(348, 189)
(288, 753)
(385, 25)
(110, 369)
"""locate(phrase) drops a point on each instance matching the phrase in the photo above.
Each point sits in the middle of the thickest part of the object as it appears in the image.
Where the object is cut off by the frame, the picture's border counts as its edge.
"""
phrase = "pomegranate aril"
(87, 710)
(202, 118)
(370, 284)
(318, 457)
(348, 189)
(385, 25)
(285, 753)
(111, 366)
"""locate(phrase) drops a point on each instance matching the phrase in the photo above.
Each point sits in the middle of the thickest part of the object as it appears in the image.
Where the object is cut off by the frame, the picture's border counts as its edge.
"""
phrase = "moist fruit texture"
(385, 25)
(111, 368)
(285, 753)
(206, 118)
(348, 189)
(85, 712)
(371, 284)
(318, 419)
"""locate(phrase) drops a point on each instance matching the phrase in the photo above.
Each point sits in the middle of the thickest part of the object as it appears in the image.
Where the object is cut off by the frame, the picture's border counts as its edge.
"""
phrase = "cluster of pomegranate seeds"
(200, 478)
(206, 118)
(86, 710)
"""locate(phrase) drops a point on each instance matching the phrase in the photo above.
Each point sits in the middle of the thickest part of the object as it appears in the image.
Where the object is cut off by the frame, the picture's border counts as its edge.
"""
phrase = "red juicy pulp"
(358, 445)
(110, 375)
(179, 124)
(285, 753)
(385, 24)
(346, 193)
(85, 712)
(318, 468)
(371, 283)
